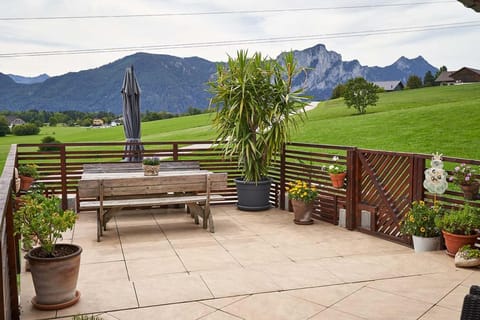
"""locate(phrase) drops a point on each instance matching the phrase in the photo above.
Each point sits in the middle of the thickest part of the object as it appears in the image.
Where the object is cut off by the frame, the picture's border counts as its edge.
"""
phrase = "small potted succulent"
(459, 227)
(151, 166)
(54, 266)
(302, 196)
(464, 176)
(27, 173)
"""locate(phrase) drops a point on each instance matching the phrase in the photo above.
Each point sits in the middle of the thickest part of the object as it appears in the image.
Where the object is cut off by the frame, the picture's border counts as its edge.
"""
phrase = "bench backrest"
(151, 186)
(137, 166)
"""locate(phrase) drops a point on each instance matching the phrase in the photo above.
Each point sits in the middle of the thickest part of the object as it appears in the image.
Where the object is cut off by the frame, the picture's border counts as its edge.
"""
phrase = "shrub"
(151, 161)
(462, 221)
(26, 129)
(49, 140)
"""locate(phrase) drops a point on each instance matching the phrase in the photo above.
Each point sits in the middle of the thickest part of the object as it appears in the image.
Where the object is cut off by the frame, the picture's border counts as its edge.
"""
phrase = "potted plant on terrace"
(459, 227)
(463, 175)
(54, 266)
(302, 195)
(419, 222)
(27, 173)
(151, 166)
(337, 173)
(255, 108)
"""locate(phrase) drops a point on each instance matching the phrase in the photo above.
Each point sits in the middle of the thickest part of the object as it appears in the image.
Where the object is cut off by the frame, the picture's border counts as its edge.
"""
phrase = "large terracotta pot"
(55, 279)
(338, 179)
(470, 191)
(302, 211)
(454, 242)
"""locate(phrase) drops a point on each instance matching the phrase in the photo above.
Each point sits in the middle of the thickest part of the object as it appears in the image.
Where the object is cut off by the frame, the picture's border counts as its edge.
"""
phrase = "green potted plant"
(459, 227)
(27, 174)
(337, 173)
(463, 176)
(54, 266)
(419, 223)
(151, 166)
(255, 107)
(302, 196)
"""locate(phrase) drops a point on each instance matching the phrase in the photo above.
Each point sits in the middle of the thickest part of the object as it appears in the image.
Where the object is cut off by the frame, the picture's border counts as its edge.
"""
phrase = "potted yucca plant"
(256, 106)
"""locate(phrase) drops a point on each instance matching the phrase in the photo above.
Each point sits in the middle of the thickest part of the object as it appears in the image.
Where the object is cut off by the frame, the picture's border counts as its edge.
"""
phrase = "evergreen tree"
(414, 82)
(428, 79)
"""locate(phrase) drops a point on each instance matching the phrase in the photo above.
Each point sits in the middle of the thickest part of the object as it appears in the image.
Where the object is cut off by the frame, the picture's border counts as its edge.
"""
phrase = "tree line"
(413, 82)
(35, 119)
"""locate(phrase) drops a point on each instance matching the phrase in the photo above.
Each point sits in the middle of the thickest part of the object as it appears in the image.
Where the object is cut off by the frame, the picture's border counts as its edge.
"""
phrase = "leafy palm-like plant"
(255, 106)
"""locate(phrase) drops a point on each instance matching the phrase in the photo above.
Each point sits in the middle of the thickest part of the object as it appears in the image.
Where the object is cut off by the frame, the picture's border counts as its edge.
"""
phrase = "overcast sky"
(374, 32)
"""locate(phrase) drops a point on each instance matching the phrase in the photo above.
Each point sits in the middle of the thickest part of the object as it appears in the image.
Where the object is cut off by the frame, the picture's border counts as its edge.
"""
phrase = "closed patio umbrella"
(131, 117)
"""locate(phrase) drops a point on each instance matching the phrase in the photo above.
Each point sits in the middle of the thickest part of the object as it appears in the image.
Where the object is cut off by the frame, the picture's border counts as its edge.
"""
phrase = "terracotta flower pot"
(26, 182)
(454, 242)
(470, 191)
(302, 211)
(338, 179)
(55, 279)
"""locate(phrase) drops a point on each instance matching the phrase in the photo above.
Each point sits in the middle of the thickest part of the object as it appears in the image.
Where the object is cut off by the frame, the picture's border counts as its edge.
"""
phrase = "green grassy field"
(437, 119)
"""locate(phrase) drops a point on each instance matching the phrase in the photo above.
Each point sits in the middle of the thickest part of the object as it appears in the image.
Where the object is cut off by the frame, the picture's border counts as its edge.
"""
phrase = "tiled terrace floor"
(256, 266)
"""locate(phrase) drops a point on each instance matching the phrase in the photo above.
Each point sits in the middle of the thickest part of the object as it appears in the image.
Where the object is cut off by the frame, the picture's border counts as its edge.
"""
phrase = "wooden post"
(353, 187)
(63, 176)
(282, 177)
(175, 151)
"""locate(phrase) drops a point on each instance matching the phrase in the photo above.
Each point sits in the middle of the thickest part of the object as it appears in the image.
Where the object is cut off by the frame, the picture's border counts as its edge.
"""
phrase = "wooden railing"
(380, 185)
(8, 248)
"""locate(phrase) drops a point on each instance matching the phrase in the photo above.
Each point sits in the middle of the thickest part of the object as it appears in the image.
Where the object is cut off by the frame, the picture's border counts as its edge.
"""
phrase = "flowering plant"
(300, 190)
(420, 221)
(334, 168)
(463, 175)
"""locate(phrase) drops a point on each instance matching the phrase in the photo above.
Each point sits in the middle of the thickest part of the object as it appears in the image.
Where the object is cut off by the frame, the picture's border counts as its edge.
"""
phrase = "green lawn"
(438, 119)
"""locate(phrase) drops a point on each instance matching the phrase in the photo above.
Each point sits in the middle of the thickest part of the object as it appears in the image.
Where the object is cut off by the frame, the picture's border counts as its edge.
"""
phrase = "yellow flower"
(425, 218)
(422, 203)
(422, 229)
(412, 219)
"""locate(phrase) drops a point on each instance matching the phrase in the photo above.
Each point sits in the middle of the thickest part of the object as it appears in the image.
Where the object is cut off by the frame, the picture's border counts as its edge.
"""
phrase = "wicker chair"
(471, 304)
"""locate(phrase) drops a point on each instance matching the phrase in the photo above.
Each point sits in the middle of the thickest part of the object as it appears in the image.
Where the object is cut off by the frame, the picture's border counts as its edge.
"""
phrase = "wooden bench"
(114, 191)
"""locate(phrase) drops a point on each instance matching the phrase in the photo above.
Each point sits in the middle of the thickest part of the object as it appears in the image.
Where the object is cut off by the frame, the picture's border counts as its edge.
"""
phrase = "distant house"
(14, 121)
(464, 75)
(390, 85)
(97, 122)
(444, 78)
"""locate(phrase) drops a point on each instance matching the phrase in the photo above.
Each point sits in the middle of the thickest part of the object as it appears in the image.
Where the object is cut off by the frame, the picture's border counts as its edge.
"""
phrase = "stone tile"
(331, 314)
(92, 272)
(307, 251)
(428, 288)
(328, 295)
(454, 300)
(238, 282)
(101, 296)
(171, 288)
(353, 269)
(220, 315)
(292, 275)
(207, 258)
(101, 252)
(255, 252)
(194, 243)
(275, 306)
(440, 313)
(373, 304)
(222, 302)
(147, 250)
(183, 311)
(150, 268)
(473, 278)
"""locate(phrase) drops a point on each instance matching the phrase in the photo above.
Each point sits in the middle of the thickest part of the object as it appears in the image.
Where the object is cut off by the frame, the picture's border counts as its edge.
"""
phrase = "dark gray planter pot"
(253, 196)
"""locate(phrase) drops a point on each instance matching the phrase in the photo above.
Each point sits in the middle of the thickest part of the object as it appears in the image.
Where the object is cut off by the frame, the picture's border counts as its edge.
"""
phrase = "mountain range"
(174, 84)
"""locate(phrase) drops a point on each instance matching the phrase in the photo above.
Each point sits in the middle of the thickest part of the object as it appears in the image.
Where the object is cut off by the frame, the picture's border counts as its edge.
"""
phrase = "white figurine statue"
(435, 177)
